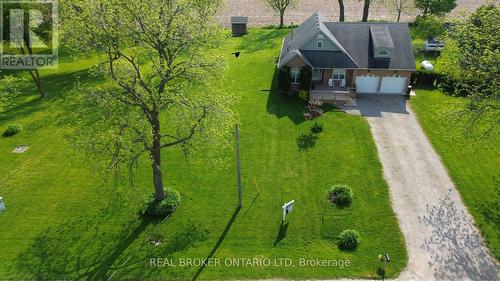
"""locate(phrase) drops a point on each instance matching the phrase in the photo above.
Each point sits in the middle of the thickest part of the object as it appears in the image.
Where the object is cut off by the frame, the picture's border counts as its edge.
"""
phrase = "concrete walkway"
(442, 241)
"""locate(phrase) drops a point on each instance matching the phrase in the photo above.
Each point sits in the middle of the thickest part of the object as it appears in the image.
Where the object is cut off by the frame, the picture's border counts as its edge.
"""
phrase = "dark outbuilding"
(239, 26)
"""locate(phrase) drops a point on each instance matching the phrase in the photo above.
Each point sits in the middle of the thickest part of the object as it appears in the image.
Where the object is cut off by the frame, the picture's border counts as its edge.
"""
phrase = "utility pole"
(238, 172)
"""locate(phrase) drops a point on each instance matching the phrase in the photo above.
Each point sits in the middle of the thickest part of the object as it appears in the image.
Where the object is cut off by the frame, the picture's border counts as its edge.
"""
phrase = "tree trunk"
(341, 10)
(156, 159)
(282, 14)
(38, 82)
(399, 15)
(366, 9)
(34, 72)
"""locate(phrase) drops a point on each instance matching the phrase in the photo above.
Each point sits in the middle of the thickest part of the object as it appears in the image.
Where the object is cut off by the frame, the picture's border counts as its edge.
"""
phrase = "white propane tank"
(427, 65)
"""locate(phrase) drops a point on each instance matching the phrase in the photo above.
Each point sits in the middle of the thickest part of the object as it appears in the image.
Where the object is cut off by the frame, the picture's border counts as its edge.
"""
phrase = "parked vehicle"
(433, 45)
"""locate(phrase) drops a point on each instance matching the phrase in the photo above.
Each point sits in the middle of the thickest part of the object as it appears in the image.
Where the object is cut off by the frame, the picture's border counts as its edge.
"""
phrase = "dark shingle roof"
(326, 59)
(237, 19)
(354, 42)
(301, 35)
(355, 37)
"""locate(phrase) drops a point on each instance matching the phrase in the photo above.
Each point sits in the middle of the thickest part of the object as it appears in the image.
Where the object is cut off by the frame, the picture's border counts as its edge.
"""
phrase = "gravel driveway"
(442, 241)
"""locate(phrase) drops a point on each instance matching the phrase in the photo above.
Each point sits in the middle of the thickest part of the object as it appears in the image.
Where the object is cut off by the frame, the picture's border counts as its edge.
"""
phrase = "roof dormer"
(382, 41)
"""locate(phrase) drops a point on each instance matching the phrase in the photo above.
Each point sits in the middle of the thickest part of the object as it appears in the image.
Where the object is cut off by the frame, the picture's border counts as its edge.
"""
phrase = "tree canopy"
(435, 7)
(471, 59)
(162, 66)
(429, 27)
(280, 6)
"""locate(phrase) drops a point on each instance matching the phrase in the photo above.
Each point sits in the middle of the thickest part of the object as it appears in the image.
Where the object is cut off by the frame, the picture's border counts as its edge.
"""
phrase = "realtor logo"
(28, 34)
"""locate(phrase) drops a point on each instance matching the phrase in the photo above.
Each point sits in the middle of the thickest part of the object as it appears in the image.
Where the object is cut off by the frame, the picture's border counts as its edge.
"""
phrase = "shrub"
(305, 77)
(163, 208)
(447, 84)
(12, 130)
(340, 194)
(348, 239)
(424, 77)
(284, 80)
(304, 95)
(317, 128)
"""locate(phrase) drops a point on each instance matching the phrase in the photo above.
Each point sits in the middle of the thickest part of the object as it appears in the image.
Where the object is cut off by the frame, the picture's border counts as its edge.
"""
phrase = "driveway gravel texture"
(260, 14)
(442, 240)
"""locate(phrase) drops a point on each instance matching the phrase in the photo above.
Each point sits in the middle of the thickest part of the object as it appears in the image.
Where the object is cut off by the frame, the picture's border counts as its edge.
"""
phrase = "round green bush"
(348, 239)
(340, 194)
(163, 208)
(12, 130)
(317, 128)
(304, 95)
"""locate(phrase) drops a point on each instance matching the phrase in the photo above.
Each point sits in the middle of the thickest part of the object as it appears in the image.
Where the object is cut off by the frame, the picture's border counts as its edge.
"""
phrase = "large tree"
(435, 7)
(24, 45)
(471, 65)
(158, 63)
(280, 6)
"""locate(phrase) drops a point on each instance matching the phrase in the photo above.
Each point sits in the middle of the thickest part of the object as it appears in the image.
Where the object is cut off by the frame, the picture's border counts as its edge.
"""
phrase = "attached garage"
(367, 84)
(392, 85)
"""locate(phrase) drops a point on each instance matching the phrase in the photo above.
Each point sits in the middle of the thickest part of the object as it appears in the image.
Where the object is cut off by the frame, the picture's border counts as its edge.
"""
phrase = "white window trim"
(339, 71)
(385, 53)
(296, 79)
(320, 42)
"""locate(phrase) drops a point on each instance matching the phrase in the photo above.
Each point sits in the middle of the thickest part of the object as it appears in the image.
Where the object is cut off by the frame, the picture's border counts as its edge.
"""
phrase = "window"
(317, 75)
(295, 73)
(320, 44)
(338, 74)
(383, 53)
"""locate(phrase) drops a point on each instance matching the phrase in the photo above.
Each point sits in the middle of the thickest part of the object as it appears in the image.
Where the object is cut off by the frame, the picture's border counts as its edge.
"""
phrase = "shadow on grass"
(258, 40)
(79, 249)
(281, 233)
(282, 105)
(381, 273)
(219, 242)
(307, 141)
(251, 204)
(112, 243)
(58, 103)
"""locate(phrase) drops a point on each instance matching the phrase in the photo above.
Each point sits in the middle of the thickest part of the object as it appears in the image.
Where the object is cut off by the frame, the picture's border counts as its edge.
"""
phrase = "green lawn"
(63, 222)
(472, 164)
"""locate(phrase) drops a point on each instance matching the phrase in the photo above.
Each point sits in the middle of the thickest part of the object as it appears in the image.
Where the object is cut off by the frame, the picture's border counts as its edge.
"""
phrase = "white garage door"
(392, 85)
(366, 84)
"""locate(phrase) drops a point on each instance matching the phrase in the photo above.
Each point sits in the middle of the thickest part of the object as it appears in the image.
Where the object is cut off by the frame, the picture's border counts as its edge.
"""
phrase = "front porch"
(331, 86)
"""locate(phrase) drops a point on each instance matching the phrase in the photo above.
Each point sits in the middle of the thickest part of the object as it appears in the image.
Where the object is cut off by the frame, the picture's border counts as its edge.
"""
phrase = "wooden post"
(238, 171)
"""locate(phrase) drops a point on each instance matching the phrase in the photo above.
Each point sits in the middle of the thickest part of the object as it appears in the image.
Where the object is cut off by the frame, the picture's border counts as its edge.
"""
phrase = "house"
(362, 58)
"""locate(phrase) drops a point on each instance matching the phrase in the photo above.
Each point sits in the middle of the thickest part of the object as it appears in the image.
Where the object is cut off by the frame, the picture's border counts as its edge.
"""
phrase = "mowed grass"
(64, 222)
(472, 163)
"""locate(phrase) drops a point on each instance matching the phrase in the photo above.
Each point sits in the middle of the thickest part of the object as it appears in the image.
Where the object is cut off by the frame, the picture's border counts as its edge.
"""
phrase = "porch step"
(350, 103)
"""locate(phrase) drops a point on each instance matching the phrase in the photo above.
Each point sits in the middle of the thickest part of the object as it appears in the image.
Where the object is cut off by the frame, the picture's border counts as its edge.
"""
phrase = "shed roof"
(239, 19)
